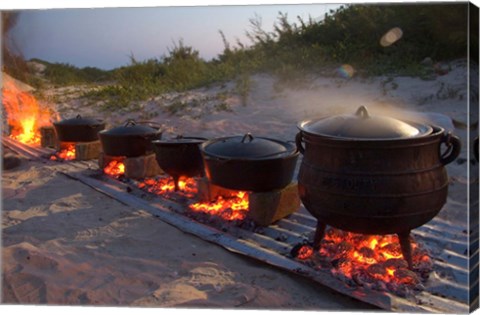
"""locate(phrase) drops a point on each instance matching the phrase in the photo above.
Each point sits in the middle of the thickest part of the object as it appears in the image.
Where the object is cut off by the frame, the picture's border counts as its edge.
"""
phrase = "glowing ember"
(303, 252)
(64, 154)
(24, 114)
(228, 208)
(165, 186)
(368, 258)
(114, 168)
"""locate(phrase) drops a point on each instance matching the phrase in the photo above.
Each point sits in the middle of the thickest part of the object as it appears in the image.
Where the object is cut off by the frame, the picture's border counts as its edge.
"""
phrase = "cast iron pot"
(130, 140)
(249, 163)
(78, 129)
(369, 181)
(180, 156)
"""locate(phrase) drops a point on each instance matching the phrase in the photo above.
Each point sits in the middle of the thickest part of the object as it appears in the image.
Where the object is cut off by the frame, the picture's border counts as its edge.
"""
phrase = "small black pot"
(249, 163)
(78, 129)
(180, 157)
(130, 140)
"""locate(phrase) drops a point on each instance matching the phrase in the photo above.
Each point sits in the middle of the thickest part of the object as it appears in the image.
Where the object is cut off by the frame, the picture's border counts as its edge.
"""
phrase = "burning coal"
(115, 168)
(66, 154)
(229, 208)
(367, 259)
(165, 186)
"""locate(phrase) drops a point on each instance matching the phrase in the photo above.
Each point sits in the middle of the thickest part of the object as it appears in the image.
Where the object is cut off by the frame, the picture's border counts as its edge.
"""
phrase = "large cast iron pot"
(78, 129)
(249, 163)
(130, 140)
(180, 156)
(373, 174)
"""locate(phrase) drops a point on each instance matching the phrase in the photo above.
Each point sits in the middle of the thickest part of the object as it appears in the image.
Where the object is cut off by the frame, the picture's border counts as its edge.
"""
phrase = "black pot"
(78, 129)
(180, 157)
(383, 180)
(249, 163)
(130, 140)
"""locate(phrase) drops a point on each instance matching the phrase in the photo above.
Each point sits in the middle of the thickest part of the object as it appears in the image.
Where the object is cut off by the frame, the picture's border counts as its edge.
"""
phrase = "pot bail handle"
(298, 142)
(362, 112)
(130, 122)
(454, 145)
(249, 136)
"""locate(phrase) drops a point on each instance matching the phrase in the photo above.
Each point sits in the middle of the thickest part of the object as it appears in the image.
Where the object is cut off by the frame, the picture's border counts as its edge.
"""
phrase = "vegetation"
(351, 35)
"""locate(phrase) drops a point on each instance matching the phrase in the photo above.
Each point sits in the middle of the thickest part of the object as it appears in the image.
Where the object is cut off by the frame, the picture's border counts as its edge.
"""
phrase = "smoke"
(12, 59)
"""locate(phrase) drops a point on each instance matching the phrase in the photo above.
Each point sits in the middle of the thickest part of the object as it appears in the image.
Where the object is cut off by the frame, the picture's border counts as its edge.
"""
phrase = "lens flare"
(346, 71)
(391, 37)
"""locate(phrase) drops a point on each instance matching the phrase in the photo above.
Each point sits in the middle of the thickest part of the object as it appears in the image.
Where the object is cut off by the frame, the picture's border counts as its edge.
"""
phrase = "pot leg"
(319, 233)
(404, 238)
(175, 181)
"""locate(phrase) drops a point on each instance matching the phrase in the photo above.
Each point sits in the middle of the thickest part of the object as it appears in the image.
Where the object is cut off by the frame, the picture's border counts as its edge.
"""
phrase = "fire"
(228, 208)
(166, 186)
(302, 251)
(24, 114)
(65, 154)
(377, 257)
(115, 168)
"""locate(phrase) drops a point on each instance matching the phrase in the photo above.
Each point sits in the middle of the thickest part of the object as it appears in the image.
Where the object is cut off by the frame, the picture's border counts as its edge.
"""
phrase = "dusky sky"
(107, 37)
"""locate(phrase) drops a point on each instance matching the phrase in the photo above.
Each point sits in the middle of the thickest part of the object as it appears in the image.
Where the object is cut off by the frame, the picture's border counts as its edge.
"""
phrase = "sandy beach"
(66, 244)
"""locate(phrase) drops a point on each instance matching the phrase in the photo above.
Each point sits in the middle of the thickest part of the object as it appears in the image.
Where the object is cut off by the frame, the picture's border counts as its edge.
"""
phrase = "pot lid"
(247, 147)
(180, 139)
(131, 128)
(79, 120)
(362, 125)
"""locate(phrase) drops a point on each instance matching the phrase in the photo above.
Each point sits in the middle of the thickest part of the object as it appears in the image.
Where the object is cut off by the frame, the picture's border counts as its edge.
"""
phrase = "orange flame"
(229, 208)
(380, 256)
(237, 204)
(304, 252)
(24, 114)
(65, 154)
(115, 168)
(165, 186)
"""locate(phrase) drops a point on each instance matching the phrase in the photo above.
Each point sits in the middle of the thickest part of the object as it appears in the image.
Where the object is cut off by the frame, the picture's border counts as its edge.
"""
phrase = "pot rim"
(429, 130)
(355, 125)
(79, 121)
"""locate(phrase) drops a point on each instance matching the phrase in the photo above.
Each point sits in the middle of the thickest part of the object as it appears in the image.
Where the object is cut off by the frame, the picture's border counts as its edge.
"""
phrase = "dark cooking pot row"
(360, 172)
(238, 162)
(132, 139)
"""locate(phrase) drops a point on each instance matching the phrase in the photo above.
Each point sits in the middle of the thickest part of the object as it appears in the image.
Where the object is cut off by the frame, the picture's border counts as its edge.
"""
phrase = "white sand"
(64, 243)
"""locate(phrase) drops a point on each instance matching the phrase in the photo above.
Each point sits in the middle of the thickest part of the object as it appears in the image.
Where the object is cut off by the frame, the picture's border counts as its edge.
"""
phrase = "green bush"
(349, 35)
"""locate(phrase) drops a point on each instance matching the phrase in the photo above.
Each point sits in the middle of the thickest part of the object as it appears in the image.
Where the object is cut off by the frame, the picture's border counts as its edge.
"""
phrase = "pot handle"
(298, 142)
(78, 116)
(454, 145)
(247, 135)
(362, 112)
(152, 124)
(130, 122)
